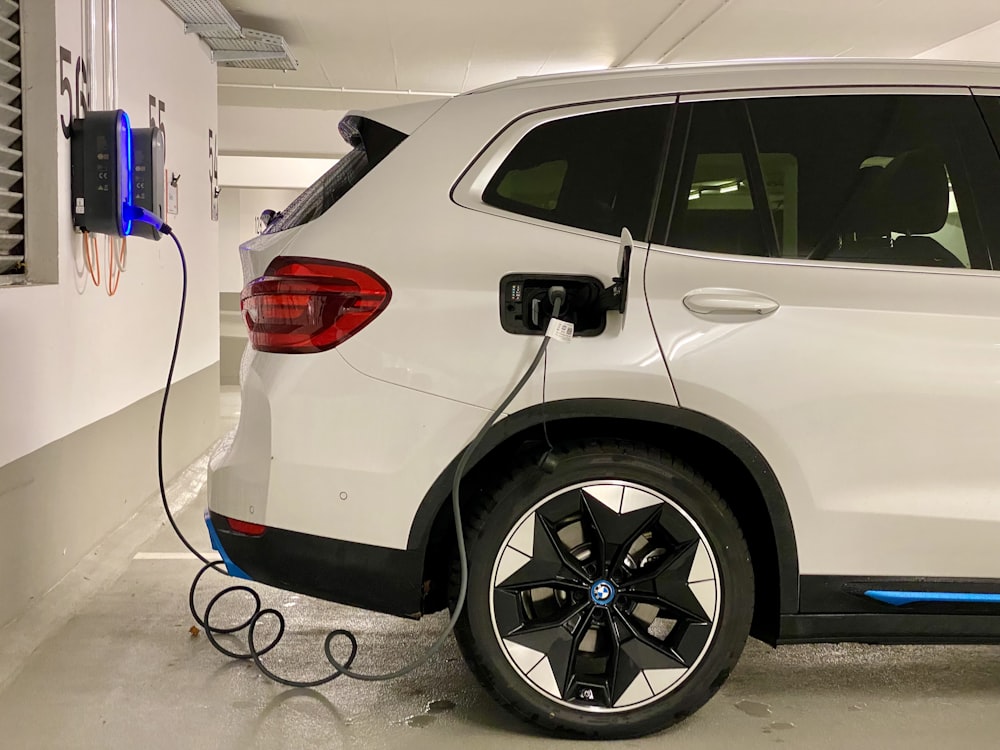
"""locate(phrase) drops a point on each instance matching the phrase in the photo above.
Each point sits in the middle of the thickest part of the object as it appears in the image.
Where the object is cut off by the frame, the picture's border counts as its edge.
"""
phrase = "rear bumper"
(335, 465)
(376, 578)
(326, 451)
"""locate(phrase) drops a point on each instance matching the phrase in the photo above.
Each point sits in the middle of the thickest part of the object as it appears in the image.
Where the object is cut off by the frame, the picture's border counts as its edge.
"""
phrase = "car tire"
(566, 571)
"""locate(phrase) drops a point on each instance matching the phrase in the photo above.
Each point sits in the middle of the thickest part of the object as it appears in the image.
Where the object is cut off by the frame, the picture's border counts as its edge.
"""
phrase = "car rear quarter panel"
(441, 333)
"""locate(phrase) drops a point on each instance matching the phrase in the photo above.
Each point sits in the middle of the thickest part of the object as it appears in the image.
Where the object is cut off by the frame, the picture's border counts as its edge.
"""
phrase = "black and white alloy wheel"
(605, 595)
(615, 601)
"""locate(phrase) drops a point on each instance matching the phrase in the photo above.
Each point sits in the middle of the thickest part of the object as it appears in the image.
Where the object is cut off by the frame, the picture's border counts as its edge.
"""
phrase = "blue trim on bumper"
(232, 568)
(900, 598)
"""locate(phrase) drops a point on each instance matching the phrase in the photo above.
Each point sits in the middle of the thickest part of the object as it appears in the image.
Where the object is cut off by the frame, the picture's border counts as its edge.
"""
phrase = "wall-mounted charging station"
(101, 159)
(148, 177)
(117, 190)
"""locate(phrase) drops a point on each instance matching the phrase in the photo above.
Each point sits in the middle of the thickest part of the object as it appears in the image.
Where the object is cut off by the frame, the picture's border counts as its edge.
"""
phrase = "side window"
(861, 178)
(715, 210)
(722, 191)
(595, 171)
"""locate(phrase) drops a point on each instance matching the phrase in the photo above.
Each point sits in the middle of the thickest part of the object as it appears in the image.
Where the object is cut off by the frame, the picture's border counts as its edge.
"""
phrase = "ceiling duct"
(232, 45)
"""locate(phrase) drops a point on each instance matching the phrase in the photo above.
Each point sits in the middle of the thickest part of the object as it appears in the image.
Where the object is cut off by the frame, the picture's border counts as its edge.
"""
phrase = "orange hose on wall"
(91, 258)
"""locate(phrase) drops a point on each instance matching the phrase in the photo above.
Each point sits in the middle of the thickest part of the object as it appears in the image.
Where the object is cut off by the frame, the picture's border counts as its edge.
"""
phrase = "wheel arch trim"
(630, 410)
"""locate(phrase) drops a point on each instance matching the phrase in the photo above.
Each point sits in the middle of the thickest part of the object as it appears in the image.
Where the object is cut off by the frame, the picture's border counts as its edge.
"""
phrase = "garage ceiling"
(452, 46)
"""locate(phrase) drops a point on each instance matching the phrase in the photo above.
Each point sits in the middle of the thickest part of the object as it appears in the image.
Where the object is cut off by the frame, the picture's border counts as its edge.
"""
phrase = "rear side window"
(893, 179)
(595, 171)
(372, 142)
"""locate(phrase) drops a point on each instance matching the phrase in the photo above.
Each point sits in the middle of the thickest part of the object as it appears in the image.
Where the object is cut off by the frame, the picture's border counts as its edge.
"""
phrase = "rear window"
(595, 171)
(372, 142)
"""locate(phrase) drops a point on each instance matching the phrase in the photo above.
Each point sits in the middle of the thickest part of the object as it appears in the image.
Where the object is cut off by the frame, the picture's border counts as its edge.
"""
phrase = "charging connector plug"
(560, 330)
(138, 213)
(557, 298)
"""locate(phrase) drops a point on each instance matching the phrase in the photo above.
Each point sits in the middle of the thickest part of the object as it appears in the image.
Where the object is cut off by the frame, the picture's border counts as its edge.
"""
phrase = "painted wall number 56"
(78, 96)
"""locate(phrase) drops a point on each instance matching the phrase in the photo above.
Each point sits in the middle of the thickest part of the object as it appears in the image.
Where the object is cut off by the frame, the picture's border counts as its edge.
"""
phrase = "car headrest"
(865, 215)
(916, 193)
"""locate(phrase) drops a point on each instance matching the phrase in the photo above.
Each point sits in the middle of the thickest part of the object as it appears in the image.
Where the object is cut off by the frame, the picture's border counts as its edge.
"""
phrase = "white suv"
(789, 432)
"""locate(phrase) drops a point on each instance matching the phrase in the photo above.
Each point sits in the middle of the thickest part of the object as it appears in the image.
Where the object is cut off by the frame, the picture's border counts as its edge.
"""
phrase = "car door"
(820, 280)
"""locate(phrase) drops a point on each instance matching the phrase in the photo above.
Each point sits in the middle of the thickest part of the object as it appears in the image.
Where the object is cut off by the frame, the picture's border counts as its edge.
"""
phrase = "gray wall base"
(60, 501)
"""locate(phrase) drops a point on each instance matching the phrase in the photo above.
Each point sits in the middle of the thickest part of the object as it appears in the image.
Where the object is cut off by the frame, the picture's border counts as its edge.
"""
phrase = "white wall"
(271, 172)
(71, 355)
(269, 131)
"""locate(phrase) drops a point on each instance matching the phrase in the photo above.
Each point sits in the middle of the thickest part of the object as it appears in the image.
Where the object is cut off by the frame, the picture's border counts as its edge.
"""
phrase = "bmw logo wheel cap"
(602, 592)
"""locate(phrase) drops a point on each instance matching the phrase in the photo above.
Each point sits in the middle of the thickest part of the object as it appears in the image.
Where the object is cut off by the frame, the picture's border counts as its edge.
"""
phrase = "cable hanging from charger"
(254, 651)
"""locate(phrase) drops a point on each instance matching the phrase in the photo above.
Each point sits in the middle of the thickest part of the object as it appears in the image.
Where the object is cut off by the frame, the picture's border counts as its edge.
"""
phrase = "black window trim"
(982, 94)
(682, 118)
(755, 178)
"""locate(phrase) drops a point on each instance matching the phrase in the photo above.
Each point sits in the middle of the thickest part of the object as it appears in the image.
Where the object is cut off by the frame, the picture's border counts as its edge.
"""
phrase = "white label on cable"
(560, 330)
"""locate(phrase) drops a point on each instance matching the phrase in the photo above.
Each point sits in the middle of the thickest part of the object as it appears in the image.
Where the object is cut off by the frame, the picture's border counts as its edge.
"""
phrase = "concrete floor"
(120, 669)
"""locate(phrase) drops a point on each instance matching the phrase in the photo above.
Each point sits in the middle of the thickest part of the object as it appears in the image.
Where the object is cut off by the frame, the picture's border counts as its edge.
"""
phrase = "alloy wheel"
(605, 596)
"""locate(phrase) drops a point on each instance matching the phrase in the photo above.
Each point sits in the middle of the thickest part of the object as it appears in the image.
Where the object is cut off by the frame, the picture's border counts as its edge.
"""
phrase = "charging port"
(525, 308)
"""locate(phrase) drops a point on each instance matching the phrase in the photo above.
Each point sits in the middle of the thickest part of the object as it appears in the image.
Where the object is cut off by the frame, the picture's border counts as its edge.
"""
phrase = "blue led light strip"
(899, 598)
(126, 126)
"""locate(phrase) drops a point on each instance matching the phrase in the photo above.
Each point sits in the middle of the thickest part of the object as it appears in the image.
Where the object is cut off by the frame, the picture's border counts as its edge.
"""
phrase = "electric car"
(778, 418)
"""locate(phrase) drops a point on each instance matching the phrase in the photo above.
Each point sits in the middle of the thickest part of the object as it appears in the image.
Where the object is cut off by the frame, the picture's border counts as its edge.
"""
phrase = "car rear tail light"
(303, 305)
(245, 527)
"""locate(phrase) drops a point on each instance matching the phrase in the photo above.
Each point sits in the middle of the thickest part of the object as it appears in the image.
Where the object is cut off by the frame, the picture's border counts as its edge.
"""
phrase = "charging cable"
(557, 329)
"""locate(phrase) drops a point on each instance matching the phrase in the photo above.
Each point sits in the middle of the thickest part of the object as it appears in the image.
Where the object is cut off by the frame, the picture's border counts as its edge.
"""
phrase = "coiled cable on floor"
(255, 651)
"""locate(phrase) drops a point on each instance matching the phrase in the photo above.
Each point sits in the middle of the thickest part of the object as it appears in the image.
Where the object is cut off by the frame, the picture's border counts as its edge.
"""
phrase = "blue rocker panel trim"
(900, 598)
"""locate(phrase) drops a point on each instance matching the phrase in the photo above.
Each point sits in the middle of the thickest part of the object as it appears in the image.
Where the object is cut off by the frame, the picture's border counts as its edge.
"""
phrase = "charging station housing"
(148, 177)
(101, 166)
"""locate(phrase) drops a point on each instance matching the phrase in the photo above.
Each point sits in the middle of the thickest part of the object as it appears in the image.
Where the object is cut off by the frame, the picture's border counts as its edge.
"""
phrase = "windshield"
(372, 143)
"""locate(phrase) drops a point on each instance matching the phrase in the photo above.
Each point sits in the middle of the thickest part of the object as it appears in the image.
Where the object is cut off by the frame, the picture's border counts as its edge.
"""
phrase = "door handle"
(729, 302)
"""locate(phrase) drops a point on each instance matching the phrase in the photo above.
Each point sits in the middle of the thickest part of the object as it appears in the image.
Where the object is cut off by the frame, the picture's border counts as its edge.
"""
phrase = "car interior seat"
(916, 199)
(864, 234)
(909, 198)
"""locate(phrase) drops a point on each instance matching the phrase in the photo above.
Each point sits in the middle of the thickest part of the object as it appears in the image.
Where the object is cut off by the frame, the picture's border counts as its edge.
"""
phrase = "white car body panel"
(439, 336)
(799, 448)
(303, 456)
(571, 88)
(441, 333)
(871, 390)
(382, 416)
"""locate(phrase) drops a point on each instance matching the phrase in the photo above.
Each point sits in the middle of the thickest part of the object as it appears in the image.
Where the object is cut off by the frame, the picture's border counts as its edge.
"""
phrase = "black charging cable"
(557, 295)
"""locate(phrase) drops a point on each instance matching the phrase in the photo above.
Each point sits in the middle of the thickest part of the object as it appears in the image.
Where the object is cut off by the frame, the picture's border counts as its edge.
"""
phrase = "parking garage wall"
(80, 371)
